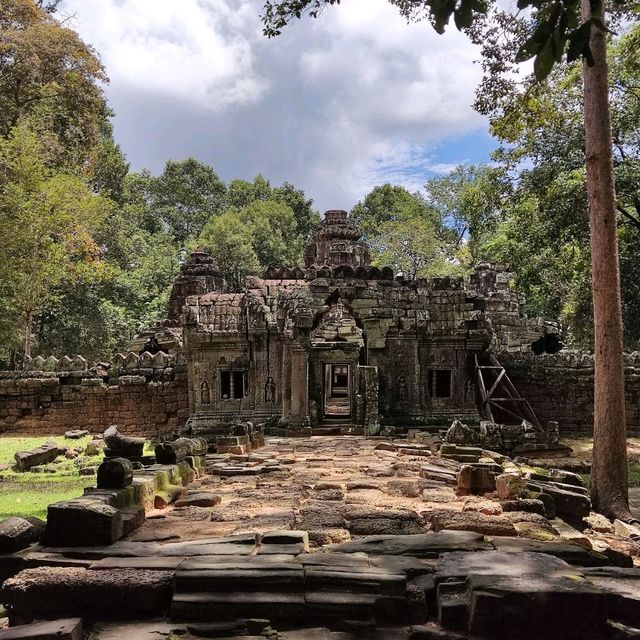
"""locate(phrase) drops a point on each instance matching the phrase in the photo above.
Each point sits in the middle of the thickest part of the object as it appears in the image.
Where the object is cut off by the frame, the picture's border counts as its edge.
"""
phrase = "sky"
(335, 106)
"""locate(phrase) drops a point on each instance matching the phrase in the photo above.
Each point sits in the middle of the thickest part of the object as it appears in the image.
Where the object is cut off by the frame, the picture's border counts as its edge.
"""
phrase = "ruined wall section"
(144, 395)
(560, 387)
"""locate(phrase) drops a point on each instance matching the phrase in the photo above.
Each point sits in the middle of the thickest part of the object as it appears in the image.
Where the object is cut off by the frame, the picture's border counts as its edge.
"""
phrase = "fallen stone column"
(121, 446)
(179, 450)
(18, 533)
(115, 473)
(25, 460)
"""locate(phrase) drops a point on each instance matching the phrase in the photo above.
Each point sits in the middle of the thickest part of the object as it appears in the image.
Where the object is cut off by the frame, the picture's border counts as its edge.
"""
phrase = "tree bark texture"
(609, 475)
(27, 334)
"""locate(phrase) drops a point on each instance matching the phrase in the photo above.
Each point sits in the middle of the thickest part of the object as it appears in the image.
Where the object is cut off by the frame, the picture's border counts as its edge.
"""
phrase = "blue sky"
(334, 106)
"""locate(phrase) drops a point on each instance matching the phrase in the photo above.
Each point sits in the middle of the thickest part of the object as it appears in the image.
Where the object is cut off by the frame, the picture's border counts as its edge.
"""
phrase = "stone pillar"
(299, 383)
(286, 380)
(371, 409)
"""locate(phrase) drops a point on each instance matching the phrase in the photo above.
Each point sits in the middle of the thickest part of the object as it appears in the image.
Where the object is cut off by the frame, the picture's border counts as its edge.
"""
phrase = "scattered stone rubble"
(339, 538)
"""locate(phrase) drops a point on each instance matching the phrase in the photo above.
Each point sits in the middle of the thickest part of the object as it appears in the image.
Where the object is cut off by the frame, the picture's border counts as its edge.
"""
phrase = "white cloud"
(192, 49)
(334, 105)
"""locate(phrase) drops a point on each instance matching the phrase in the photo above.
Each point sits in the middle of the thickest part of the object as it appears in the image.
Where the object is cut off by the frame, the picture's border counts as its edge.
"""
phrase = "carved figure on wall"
(470, 392)
(270, 391)
(402, 390)
(151, 346)
(205, 395)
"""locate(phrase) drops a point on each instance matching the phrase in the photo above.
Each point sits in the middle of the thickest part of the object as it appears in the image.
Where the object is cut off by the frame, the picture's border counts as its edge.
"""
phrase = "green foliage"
(245, 241)
(242, 193)
(230, 242)
(109, 169)
(47, 227)
(48, 74)
(185, 196)
(471, 200)
(88, 249)
(407, 233)
(545, 233)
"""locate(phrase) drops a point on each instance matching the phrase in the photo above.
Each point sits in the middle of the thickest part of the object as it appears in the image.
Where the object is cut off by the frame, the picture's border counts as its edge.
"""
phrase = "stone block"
(510, 487)
(65, 629)
(83, 522)
(200, 499)
(48, 452)
(475, 480)
(76, 434)
(16, 534)
(566, 502)
(115, 473)
(109, 594)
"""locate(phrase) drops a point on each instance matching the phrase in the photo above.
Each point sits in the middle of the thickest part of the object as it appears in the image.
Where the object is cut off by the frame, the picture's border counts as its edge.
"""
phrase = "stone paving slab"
(65, 629)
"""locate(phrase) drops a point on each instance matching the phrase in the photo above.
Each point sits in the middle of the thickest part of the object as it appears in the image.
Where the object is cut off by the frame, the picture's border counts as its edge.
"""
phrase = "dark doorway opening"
(440, 383)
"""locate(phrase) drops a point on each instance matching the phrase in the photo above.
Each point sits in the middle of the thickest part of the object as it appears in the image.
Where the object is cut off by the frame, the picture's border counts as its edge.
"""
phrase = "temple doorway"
(337, 390)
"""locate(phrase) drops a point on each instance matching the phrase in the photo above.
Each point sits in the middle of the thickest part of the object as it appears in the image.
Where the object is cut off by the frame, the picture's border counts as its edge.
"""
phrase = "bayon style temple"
(342, 344)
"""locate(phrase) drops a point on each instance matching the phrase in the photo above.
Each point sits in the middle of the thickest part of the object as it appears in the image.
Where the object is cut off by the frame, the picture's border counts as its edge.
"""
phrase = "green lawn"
(28, 493)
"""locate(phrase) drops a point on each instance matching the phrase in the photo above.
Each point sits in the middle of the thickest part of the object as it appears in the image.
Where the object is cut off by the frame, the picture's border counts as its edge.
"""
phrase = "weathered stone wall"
(560, 387)
(145, 401)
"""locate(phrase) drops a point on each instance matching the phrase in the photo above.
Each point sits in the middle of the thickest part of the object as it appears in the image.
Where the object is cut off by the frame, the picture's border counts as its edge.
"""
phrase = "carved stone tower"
(198, 275)
(337, 241)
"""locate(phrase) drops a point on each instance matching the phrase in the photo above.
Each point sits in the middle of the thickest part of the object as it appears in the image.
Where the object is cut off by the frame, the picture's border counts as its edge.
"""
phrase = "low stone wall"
(560, 387)
(142, 401)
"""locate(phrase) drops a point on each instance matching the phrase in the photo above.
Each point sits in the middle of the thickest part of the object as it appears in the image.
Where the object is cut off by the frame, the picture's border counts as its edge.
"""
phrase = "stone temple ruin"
(342, 346)
(338, 453)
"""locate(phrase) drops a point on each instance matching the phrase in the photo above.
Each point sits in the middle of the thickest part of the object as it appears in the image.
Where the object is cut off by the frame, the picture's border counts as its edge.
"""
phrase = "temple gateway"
(343, 346)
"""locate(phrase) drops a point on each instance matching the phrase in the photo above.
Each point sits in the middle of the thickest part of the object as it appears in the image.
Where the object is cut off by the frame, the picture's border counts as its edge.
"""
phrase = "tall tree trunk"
(609, 481)
(28, 329)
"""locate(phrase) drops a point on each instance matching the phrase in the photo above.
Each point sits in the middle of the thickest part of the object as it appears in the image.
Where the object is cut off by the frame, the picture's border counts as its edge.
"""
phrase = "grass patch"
(634, 476)
(29, 493)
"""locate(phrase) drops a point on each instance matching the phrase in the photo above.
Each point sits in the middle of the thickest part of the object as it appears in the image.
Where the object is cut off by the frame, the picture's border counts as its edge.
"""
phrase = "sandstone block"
(510, 487)
(115, 473)
(110, 594)
(83, 522)
(65, 629)
(15, 534)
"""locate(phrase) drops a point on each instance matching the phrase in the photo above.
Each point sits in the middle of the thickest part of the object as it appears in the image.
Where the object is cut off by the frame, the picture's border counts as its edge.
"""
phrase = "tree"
(272, 227)
(578, 28)
(48, 74)
(242, 193)
(185, 196)
(405, 232)
(544, 229)
(230, 242)
(471, 198)
(248, 240)
(409, 244)
(109, 168)
(48, 223)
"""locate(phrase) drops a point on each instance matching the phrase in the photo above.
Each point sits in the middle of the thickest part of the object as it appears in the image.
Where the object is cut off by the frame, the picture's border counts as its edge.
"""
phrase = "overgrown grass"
(29, 493)
(634, 474)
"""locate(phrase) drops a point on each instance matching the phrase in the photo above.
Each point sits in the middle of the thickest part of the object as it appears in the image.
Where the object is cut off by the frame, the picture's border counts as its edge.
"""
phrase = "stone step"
(267, 579)
(355, 581)
(212, 607)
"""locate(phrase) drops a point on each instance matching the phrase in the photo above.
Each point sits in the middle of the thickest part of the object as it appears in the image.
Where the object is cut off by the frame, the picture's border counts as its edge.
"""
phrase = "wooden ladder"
(500, 400)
